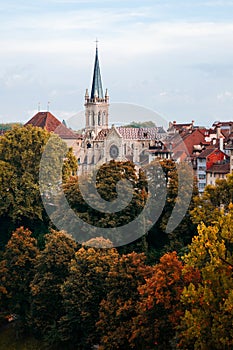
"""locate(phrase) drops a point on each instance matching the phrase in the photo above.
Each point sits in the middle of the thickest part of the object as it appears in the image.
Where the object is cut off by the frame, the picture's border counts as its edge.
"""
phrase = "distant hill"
(147, 124)
(8, 126)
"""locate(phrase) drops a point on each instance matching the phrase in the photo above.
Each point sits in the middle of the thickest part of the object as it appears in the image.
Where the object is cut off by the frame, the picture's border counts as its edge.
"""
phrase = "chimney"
(218, 132)
(221, 144)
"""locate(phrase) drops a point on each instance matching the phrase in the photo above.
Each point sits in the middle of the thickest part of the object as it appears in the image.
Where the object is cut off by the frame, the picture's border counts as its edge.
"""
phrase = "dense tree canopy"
(119, 307)
(91, 210)
(181, 235)
(51, 268)
(209, 206)
(16, 268)
(21, 150)
(82, 292)
(208, 319)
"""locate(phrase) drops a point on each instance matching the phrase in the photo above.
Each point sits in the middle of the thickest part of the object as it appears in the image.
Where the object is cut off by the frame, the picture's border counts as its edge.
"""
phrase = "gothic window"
(93, 119)
(99, 118)
(104, 118)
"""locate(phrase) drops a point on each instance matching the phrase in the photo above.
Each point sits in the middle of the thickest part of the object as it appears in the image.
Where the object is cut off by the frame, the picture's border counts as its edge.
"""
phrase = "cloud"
(225, 96)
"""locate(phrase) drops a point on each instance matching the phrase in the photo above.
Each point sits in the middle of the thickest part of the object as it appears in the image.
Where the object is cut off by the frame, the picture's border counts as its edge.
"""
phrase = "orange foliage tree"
(159, 309)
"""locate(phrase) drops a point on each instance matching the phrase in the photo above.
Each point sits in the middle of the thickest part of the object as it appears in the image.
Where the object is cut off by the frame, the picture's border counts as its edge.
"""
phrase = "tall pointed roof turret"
(97, 83)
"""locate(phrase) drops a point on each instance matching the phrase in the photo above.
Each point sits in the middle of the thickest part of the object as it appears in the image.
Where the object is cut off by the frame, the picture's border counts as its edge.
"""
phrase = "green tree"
(70, 165)
(17, 270)
(208, 319)
(107, 182)
(183, 233)
(83, 291)
(21, 179)
(51, 269)
(147, 124)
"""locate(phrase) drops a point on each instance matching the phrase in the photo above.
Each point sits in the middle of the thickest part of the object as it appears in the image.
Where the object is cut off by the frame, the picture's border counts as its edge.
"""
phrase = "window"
(202, 176)
(201, 185)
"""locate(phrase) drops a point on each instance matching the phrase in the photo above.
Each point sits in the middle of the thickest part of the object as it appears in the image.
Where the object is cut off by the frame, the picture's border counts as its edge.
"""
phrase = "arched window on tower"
(93, 119)
(99, 118)
(104, 118)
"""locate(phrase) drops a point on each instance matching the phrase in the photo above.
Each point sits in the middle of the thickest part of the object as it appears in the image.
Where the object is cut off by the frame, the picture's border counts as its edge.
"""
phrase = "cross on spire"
(96, 42)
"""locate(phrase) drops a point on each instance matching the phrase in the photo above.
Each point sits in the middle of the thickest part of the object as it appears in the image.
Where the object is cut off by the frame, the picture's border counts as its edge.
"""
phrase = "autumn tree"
(51, 269)
(17, 270)
(82, 292)
(215, 198)
(159, 308)
(208, 319)
(119, 307)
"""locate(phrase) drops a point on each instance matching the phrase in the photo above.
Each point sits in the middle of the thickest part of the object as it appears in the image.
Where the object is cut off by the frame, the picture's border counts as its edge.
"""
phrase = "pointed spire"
(96, 83)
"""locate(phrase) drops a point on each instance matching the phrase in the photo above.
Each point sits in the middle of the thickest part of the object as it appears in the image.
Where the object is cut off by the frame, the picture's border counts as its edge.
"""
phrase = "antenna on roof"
(48, 106)
(38, 106)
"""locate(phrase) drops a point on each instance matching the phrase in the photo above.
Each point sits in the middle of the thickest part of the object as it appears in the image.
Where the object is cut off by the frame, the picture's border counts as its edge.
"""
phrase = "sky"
(174, 57)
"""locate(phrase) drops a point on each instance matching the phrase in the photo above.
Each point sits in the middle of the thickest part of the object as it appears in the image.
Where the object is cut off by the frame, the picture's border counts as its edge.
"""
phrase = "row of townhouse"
(209, 150)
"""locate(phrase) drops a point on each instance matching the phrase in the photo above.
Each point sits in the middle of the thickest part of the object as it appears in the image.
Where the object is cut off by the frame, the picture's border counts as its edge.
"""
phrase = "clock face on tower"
(114, 151)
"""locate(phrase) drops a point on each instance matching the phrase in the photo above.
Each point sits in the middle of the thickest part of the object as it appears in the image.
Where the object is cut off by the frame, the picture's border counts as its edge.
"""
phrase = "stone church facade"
(102, 143)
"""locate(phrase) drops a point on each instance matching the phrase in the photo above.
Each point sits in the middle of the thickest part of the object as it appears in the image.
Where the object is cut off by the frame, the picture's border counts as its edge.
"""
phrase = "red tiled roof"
(207, 152)
(220, 168)
(49, 122)
(188, 139)
(102, 134)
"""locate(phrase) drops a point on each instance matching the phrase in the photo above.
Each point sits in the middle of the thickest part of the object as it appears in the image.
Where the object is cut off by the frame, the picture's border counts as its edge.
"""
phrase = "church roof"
(97, 83)
(138, 133)
(130, 133)
(49, 122)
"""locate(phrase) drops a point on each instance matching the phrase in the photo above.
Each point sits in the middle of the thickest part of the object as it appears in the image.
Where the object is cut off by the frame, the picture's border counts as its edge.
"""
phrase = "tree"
(83, 291)
(208, 319)
(119, 307)
(148, 124)
(51, 269)
(17, 270)
(159, 308)
(164, 174)
(70, 165)
(21, 178)
(208, 207)
(91, 207)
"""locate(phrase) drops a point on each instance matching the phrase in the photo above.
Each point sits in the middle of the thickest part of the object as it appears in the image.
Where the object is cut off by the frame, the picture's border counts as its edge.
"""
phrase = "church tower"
(96, 104)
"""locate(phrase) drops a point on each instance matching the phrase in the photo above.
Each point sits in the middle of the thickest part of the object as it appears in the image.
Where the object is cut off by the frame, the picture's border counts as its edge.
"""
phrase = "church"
(102, 143)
